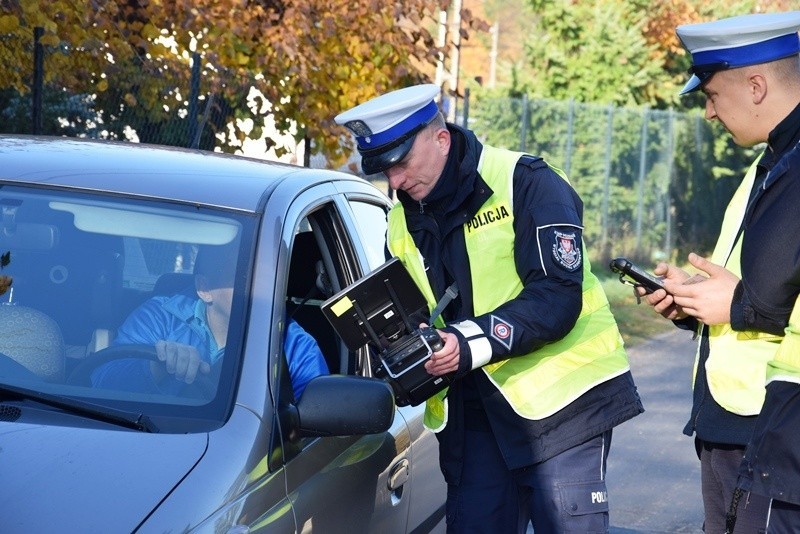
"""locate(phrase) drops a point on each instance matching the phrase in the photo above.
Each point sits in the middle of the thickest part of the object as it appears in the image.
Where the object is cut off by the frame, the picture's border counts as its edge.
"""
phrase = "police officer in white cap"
(541, 376)
(749, 70)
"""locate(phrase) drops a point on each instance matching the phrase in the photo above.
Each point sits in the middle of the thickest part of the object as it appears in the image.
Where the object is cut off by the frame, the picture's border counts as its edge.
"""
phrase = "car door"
(334, 484)
(425, 485)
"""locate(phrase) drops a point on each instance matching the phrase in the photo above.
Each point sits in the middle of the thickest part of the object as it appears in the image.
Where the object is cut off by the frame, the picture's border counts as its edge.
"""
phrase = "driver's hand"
(181, 361)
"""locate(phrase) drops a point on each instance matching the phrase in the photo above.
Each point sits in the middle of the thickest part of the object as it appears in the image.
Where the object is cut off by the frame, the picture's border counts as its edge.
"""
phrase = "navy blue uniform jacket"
(545, 310)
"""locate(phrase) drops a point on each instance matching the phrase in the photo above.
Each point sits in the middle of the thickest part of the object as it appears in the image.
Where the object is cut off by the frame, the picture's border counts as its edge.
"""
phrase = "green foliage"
(592, 52)
(130, 62)
(602, 78)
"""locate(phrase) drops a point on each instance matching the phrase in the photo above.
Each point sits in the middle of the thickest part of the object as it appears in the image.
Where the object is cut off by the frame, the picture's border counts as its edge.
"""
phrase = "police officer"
(541, 376)
(749, 70)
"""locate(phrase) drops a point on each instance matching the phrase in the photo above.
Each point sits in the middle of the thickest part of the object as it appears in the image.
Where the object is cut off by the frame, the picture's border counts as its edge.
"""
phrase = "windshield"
(132, 306)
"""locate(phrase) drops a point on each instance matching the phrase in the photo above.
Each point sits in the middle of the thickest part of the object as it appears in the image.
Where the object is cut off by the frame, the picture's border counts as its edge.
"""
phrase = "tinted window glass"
(91, 274)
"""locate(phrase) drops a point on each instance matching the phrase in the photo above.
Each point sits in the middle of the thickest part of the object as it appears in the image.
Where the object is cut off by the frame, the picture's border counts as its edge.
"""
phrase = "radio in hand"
(631, 273)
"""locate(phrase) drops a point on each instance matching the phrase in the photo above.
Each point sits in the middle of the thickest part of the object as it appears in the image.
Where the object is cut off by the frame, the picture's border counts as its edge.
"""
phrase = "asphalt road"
(653, 473)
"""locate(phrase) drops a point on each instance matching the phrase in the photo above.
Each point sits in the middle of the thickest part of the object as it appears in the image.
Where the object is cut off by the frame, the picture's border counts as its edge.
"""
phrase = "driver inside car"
(189, 330)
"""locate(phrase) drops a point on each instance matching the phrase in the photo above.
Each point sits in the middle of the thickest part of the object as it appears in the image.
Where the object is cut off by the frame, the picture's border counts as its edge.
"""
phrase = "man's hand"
(662, 301)
(445, 360)
(709, 300)
(181, 361)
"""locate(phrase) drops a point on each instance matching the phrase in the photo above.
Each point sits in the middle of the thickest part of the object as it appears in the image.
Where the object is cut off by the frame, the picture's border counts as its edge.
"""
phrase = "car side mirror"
(340, 405)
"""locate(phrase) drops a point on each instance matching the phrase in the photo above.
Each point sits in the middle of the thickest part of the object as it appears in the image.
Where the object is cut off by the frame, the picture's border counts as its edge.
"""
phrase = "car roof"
(176, 174)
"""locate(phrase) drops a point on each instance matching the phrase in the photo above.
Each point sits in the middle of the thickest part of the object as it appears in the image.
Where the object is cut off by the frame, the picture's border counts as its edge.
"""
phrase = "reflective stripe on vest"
(737, 361)
(786, 365)
(541, 383)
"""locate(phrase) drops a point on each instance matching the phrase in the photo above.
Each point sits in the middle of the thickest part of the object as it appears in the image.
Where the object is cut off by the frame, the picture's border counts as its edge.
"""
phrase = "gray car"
(98, 231)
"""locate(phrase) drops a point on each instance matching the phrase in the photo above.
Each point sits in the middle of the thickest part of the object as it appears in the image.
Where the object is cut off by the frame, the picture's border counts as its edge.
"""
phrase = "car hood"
(57, 476)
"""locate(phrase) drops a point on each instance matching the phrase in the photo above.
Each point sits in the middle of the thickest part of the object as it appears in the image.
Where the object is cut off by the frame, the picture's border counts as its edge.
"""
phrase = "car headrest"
(32, 339)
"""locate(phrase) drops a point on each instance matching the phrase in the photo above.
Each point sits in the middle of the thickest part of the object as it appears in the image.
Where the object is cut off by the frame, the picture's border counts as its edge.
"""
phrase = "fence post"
(607, 181)
(465, 120)
(193, 140)
(570, 129)
(667, 196)
(523, 142)
(642, 173)
(38, 80)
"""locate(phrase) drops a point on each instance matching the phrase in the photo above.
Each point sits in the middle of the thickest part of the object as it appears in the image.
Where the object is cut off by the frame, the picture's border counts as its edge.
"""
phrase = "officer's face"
(731, 98)
(419, 171)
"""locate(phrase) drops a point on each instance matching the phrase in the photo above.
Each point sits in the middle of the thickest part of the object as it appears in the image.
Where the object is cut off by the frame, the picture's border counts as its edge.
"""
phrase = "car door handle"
(398, 475)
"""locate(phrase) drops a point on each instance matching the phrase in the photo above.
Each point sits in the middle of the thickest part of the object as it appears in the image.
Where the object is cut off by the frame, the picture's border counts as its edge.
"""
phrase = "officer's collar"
(786, 133)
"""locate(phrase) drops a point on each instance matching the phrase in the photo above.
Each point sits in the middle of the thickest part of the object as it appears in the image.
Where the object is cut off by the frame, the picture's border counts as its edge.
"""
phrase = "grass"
(637, 322)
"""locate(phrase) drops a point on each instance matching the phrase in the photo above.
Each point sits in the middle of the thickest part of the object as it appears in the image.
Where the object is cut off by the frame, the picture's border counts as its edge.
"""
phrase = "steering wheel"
(9, 367)
(203, 386)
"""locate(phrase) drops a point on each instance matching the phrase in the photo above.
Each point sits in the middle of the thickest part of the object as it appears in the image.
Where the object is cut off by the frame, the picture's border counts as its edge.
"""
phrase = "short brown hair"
(217, 263)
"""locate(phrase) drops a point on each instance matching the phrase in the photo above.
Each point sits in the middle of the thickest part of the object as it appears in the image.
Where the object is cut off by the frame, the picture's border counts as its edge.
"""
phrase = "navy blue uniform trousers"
(565, 494)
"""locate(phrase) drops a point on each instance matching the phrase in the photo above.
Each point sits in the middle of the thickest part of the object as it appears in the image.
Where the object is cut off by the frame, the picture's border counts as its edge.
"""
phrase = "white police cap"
(738, 42)
(385, 126)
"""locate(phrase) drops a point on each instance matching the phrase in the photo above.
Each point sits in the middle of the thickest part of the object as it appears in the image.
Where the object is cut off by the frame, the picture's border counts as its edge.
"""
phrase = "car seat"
(308, 286)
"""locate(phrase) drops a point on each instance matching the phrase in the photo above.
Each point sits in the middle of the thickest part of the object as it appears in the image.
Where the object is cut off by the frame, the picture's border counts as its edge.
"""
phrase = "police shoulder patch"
(566, 251)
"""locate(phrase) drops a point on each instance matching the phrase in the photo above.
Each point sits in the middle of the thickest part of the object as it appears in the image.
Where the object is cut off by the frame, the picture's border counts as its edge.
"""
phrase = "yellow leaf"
(8, 23)
(50, 39)
(102, 85)
(149, 31)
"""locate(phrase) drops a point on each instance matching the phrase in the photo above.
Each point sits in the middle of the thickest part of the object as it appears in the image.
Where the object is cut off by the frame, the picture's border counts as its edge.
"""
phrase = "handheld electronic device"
(632, 274)
(376, 311)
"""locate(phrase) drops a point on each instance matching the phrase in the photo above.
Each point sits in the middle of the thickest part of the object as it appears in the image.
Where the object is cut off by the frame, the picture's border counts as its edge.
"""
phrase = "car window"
(97, 279)
(371, 222)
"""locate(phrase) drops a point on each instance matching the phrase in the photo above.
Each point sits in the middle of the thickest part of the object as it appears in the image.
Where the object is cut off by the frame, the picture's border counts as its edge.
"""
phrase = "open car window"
(322, 262)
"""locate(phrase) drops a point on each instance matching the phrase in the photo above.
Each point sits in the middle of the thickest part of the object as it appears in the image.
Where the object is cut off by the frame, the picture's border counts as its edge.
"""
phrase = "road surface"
(653, 472)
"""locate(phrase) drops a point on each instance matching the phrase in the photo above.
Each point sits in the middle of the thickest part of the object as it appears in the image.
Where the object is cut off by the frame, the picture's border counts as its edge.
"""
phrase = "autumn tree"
(300, 61)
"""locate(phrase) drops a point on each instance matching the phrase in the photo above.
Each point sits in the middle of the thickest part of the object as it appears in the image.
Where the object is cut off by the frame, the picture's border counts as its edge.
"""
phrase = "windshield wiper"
(113, 416)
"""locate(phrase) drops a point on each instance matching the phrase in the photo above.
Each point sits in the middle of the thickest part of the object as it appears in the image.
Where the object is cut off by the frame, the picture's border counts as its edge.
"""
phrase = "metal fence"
(654, 183)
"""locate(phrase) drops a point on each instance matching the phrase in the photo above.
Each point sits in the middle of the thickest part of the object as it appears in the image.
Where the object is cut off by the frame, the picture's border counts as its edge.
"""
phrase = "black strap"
(449, 294)
(730, 517)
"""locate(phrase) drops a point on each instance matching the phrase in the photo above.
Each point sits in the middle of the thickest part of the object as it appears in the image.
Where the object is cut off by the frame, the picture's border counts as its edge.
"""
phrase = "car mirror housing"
(338, 405)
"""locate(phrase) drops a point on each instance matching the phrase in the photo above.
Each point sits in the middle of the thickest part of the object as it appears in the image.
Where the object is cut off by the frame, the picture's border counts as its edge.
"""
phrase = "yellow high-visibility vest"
(737, 361)
(539, 384)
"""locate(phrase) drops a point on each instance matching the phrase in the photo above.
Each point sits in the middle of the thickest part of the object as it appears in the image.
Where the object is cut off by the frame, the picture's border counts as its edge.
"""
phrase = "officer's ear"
(758, 87)
(442, 137)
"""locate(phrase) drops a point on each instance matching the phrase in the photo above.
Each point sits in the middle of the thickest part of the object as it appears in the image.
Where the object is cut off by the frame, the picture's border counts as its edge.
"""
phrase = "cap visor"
(377, 163)
(692, 85)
